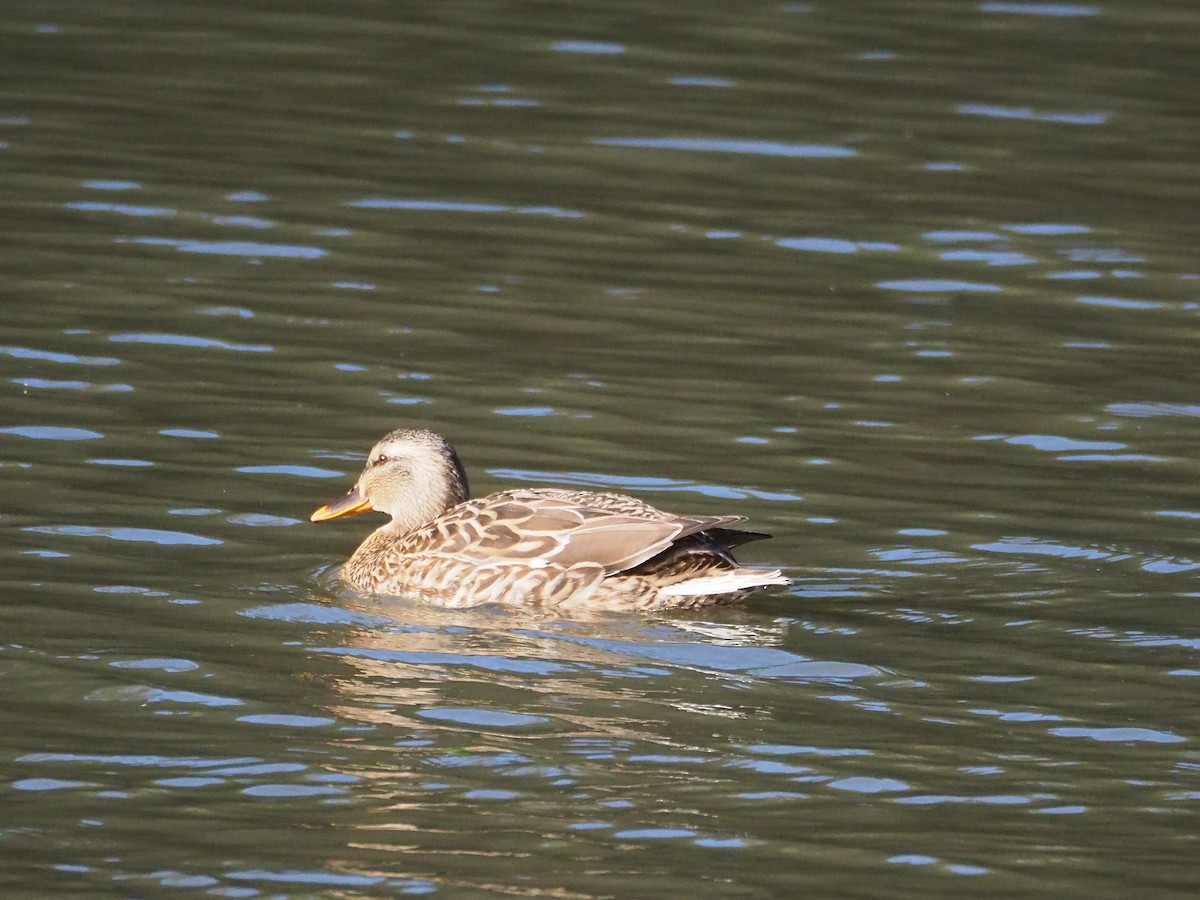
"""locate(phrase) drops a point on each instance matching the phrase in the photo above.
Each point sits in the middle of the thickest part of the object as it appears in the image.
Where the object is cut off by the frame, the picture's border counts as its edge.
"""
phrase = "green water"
(913, 287)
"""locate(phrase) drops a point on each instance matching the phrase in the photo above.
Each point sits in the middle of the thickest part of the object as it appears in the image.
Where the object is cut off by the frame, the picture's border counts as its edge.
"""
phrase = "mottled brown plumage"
(539, 545)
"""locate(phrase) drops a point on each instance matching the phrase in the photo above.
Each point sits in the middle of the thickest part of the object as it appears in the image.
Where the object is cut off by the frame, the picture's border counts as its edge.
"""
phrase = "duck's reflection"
(597, 674)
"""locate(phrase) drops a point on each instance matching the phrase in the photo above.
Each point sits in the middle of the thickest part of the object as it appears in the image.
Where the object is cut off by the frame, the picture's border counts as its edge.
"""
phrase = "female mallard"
(542, 545)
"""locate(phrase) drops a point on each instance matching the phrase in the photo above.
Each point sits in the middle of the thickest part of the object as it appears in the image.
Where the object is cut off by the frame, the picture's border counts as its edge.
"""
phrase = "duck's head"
(413, 475)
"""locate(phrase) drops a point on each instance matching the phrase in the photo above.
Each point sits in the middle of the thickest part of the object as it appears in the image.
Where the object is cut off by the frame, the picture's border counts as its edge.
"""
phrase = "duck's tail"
(729, 582)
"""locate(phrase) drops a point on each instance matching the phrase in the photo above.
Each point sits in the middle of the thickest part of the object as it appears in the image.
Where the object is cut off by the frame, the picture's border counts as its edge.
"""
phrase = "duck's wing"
(555, 528)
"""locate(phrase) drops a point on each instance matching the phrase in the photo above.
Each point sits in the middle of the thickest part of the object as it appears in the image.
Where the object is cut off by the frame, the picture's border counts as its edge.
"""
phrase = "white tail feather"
(725, 583)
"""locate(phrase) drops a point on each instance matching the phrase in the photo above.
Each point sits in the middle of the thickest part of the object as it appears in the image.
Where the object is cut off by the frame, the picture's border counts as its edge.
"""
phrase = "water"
(913, 289)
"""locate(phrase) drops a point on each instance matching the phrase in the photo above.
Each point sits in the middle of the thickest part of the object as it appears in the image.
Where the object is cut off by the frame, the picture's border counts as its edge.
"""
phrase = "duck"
(547, 546)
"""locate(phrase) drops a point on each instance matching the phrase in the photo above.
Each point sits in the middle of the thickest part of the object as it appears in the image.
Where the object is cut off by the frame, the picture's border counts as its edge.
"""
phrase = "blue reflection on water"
(124, 209)
(301, 471)
(1148, 410)
(953, 236)
(53, 384)
(52, 433)
(461, 206)
(186, 762)
(833, 245)
(1121, 303)
(142, 535)
(1060, 10)
(288, 720)
(526, 411)
(700, 81)
(938, 286)
(101, 185)
(232, 248)
(1030, 115)
(1055, 444)
(187, 340)
(163, 665)
(1120, 735)
(719, 145)
(56, 357)
(487, 718)
(189, 433)
(1041, 547)
(769, 662)
(298, 877)
(991, 257)
(243, 221)
(1047, 229)
(46, 784)
(602, 48)
(657, 834)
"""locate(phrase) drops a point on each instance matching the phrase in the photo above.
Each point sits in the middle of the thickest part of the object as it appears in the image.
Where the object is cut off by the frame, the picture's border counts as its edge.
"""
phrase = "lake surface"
(912, 286)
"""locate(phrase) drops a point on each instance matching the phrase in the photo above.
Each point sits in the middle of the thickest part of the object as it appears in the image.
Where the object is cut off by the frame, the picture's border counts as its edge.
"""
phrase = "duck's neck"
(368, 563)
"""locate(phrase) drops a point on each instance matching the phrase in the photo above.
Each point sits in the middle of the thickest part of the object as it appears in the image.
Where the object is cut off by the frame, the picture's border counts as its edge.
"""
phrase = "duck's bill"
(352, 503)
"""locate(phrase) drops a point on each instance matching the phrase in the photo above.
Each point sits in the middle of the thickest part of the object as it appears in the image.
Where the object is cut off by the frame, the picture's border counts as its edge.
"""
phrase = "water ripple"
(288, 720)
(719, 145)
(186, 762)
(1057, 10)
(53, 384)
(52, 433)
(57, 357)
(465, 207)
(1042, 547)
(163, 665)
(989, 257)
(602, 48)
(124, 209)
(47, 784)
(140, 535)
(700, 81)
(833, 245)
(938, 286)
(953, 236)
(483, 718)
(332, 879)
(1030, 115)
(101, 185)
(188, 340)
(1055, 444)
(487, 662)
(189, 433)
(301, 471)
(1047, 229)
(1121, 303)
(1151, 410)
(1120, 735)
(232, 248)
(767, 662)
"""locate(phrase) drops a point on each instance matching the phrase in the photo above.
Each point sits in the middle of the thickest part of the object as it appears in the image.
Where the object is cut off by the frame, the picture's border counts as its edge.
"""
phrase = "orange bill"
(352, 503)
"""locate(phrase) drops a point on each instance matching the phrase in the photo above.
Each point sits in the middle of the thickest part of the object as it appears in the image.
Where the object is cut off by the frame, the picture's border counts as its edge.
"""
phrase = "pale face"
(413, 476)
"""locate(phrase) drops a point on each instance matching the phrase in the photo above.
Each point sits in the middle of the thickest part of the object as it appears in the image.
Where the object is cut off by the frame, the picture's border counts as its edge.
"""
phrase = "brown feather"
(549, 545)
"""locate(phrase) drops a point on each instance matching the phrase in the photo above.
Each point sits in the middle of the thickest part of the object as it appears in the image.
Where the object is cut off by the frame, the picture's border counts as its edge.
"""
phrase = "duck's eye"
(381, 459)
